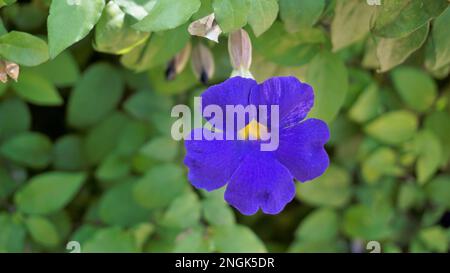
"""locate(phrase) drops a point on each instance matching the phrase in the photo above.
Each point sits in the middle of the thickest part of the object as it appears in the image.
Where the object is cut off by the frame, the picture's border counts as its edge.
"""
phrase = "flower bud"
(178, 63)
(13, 70)
(206, 27)
(3, 74)
(202, 63)
(240, 50)
(10, 69)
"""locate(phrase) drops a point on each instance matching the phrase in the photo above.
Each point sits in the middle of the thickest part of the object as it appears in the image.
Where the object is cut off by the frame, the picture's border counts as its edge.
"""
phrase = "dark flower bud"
(178, 63)
(202, 63)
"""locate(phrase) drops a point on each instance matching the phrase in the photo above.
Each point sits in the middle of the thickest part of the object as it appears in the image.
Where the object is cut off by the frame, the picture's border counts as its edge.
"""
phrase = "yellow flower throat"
(253, 131)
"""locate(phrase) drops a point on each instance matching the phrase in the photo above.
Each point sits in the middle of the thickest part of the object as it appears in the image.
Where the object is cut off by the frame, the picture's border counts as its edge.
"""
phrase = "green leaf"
(204, 10)
(71, 21)
(289, 49)
(382, 161)
(154, 51)
(417, 247)
(360, 81)
(262, 14)
(398, 18)
(37, 90)
(231, 14)
(369, 223)
(217, 212)
(370, 60)
(160, 149)
(113, 167)
(110, 240)
(329, 77)
(3, 88)
(163, 241)
(12, 237)
(439, 73)
(379, 194)
(62, 71)
(103, 138)
(68, 145)
(117, 206)
(14, 117)
(394, 127)
(350, 23)
(394, 51)
(417, 89)
(95, 95)
(48, 192)
(192, 241)
(3, 30)
(62, 222)
(439, 123)
(320, 225)
(6, 2)
(28, 149)
(346, 151)
(440, 38)
(42, 231)
(433, 215)
(7, 184)
(434, 238)
(113, 33)
(142, 232)
(151, 107)
(331, 189)
(168, 14)
(236, 238)
(183, 212)
(367, 106)
(299, 14)
(138, 9)
(318, 247)
(23, 48)
(438, 190)
(31, 17)
(84, 233)
(159, 186)
(132, 138)
(429, 158)
(410, 196)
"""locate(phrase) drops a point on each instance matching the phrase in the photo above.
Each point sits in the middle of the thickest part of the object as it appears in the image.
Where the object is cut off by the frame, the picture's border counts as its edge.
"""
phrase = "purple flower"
(260, 179)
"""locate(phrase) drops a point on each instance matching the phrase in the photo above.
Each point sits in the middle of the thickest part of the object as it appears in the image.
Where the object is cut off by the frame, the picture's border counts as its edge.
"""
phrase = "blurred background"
(86, 154)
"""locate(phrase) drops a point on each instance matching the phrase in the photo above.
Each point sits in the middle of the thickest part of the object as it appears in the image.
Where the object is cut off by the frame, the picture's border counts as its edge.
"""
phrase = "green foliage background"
(85, 146)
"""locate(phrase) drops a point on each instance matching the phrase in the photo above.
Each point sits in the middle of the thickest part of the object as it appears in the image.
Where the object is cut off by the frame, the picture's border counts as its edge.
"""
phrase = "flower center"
(253, 131)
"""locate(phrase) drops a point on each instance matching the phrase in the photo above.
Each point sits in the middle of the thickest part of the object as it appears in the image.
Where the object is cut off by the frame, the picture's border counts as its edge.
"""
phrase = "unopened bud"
(206, 27)
(12, 69)
(3, 74)
(202, 63)
(240, 50)
(178, 63)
